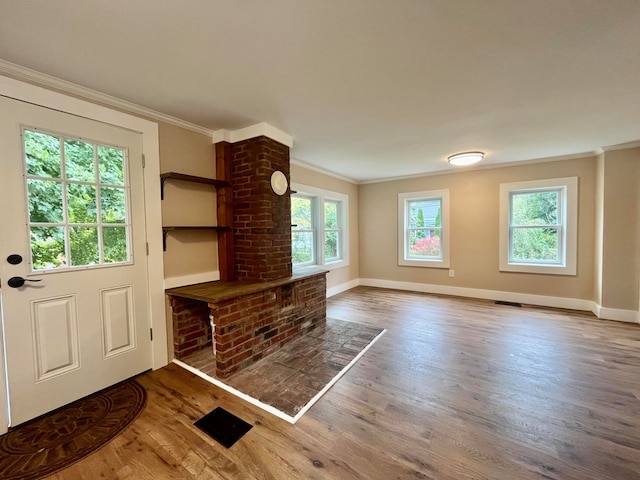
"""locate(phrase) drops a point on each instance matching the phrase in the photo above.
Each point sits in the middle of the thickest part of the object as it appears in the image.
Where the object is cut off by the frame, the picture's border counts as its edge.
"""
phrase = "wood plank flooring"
(456, 389)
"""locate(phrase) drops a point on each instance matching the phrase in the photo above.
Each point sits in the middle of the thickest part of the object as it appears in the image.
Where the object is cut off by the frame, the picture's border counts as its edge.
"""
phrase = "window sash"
(319, 231)
(564, 227)
(433, 219)
(558, 227)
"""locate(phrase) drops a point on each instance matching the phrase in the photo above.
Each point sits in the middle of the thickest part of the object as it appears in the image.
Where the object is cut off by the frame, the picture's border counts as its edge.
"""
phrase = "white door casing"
(112, 299)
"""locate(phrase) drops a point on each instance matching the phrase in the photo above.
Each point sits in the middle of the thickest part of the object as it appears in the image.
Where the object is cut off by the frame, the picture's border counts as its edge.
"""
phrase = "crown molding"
(491, 166)
(28, 75)
(257, 130)
(621, 146)
(313, 168)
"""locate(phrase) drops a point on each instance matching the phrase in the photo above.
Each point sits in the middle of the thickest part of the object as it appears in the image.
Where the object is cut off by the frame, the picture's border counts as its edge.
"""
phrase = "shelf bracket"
(162, 180)
(164, 239)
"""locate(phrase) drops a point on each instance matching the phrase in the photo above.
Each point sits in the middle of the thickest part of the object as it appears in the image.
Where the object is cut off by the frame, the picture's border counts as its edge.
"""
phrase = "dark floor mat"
(223, 426)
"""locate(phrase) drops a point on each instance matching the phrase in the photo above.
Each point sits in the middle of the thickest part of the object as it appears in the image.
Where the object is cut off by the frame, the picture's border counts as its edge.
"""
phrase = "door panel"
(85, 324)
(117, 321)
(55, 328)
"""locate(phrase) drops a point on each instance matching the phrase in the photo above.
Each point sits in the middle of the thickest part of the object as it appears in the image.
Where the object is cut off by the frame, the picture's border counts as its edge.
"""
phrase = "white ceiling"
(369, 89)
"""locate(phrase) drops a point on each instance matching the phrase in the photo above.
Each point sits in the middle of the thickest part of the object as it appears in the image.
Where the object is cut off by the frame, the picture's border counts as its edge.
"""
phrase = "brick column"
(261, 219)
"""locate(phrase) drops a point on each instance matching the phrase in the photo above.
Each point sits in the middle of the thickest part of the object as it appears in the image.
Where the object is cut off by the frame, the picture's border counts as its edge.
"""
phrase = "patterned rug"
(58, 439)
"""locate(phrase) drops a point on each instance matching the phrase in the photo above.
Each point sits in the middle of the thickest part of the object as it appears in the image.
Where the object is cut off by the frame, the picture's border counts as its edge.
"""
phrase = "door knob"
(17, 282)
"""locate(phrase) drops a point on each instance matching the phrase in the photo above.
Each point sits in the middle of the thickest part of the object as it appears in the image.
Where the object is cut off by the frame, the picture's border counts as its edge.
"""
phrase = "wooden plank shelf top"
(221, 290)
(189, 178)
(172, 228)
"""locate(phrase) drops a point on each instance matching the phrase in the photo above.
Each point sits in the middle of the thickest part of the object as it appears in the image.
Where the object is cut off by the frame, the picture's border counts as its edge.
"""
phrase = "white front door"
(72, 226)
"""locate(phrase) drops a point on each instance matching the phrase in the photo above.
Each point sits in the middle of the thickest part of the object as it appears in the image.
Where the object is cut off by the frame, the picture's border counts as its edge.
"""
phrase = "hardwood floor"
(456, 389)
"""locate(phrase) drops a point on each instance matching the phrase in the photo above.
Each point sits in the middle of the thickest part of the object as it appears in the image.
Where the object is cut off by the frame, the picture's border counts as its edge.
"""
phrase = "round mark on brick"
(318, 464)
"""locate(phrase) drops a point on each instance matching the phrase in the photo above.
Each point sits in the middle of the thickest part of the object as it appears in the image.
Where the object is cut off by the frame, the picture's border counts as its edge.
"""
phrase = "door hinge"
(144, 161)
(151, 334)
(147, 248)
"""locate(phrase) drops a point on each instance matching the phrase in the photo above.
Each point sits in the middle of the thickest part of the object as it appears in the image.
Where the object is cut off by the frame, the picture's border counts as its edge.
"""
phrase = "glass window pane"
(42, 152)
(79, 161)
(535, 244)
(302, 247)
(47, 248)
(301, 212)
(424, 244)
(534, 208)
(81, 203)
(45, 201)
(111, 165)
(114, 207)
(330, 245)
(114, 240)
(425, 213)
(84, 246)
(330, 215)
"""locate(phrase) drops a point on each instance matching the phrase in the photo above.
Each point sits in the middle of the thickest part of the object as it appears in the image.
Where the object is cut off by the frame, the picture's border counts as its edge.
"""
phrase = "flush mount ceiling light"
(465, 158)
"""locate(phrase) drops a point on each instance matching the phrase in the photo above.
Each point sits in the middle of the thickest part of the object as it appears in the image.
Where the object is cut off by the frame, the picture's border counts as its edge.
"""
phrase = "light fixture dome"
(465, 158)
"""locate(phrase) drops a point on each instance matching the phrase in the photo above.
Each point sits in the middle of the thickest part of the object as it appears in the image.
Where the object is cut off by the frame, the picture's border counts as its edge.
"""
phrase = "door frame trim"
(36, 95)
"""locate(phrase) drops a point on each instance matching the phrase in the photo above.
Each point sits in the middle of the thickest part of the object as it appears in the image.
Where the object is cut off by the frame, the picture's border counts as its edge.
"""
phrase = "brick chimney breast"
(261, 218)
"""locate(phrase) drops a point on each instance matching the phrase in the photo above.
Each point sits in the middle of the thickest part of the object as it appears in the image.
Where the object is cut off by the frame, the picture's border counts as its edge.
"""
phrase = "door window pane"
(114, 240)
(111, 165)
(45, 201)
(84, 246)
(79, 161)
(114, 207)
(42, 154)
(47, 248)
(81, 203)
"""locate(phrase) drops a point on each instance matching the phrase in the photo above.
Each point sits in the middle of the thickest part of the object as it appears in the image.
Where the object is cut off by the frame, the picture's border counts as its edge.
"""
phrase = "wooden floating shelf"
(189, 178)
(172, 228)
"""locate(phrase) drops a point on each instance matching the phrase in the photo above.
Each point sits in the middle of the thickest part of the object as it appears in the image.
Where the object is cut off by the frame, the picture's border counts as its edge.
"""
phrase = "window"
(77, 197)
(538, 226)
(423, 229)
(319, 235)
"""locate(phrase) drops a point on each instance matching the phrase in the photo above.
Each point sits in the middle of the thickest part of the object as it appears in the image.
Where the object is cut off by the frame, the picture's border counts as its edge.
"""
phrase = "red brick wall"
(253, 326)
(261, 219)
(191, 327)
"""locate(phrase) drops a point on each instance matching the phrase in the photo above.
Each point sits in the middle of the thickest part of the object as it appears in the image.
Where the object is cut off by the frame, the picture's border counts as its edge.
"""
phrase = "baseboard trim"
(343, 287)
(620, 315)
(542, 300)
(629, 316)
(173, 282)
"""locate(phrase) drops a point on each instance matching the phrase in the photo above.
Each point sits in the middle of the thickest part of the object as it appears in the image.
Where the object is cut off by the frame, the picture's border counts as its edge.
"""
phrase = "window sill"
(424, 263)
(539, 269)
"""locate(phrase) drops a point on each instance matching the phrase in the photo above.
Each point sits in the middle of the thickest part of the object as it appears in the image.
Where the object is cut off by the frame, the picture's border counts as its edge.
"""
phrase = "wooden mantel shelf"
(218, 291)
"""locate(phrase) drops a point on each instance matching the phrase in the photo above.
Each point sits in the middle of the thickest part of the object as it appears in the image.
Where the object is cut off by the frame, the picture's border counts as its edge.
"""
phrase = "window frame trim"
(319, 196)
(568, 228)
(403, 227)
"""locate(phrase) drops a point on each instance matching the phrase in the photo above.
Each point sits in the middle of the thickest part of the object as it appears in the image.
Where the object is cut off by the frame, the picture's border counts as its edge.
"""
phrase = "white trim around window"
(565, 225)
(441, 229)
(318, 229)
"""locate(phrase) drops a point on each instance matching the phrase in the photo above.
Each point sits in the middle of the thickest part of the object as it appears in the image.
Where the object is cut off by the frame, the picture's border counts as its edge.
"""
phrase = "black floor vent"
(510, 304)
(222, 426)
